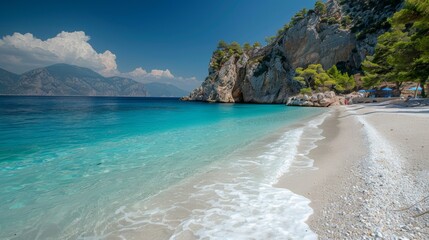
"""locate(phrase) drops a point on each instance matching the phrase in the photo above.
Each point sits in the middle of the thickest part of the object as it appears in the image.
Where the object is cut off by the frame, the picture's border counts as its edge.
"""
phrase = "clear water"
(146, 168)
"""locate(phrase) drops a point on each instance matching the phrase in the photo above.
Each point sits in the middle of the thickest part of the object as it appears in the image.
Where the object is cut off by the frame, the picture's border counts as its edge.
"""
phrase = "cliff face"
(344, 35)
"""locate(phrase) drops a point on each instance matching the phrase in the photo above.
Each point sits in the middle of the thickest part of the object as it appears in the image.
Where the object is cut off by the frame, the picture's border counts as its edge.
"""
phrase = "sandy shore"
(372, 180)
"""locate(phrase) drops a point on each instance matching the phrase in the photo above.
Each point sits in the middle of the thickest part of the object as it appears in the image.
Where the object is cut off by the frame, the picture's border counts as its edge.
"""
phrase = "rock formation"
(342, 36)
(327, 99)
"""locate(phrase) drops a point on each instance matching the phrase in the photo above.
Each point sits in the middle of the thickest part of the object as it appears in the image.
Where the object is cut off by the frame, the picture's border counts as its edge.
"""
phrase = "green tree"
(332, 20)
(305, 76)
(306, 91)
(303, 12)
(236, 48)
(224, 52)
(324, 82)
(343, 82)
(247, 47)
(299, 16)
(320, 8)
(346, 21)
(413, 20)
(270, 40)
(402, 54)
(256, 45)
(222, 45)
(381, 67)
(314, 77)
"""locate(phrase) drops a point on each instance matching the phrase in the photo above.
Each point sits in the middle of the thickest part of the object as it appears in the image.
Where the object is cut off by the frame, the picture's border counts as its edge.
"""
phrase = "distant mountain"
(7, 79)
(67, 80)
(164, 90)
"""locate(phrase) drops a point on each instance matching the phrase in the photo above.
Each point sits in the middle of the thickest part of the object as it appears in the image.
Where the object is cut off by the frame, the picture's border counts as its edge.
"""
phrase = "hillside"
(163, 90)
(340, 33)
(7, 79)
(67, 80)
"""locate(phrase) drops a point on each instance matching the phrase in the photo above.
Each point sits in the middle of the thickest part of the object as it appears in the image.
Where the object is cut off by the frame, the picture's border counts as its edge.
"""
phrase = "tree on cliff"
(343, 82)
(270, 40)
(256, 45)
(314, 77)
(223, 52)
(403, 53)
(320, 8)
(222, 45)
(247, 47)
(382, 66)
(299, 16)
(235, 48)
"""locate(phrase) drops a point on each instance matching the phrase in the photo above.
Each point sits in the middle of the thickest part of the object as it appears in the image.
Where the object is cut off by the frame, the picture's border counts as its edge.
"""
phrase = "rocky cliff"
(343, 33)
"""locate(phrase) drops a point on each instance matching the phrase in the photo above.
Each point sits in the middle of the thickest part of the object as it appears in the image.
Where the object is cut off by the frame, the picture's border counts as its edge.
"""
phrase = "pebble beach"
(371, 177)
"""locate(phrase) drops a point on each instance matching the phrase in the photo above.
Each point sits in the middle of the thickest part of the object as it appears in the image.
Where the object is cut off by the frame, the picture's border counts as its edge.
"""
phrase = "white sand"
(373, 163)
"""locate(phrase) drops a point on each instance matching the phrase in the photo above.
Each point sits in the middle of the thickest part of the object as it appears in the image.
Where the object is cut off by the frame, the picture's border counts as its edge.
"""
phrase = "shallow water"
(150, 168)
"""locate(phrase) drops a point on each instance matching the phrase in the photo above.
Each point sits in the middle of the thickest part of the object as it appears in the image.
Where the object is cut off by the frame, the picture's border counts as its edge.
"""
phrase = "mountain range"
(70, 80)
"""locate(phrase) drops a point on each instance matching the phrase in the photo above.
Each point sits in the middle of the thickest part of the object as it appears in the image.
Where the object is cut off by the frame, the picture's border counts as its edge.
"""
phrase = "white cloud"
(155, 73)
(138, 72)
(161, 73)
(162, 76)
(22, 52)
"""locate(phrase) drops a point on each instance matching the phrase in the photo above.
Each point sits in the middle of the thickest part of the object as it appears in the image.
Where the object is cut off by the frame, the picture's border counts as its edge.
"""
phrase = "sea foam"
(235, 198)
(76, 168)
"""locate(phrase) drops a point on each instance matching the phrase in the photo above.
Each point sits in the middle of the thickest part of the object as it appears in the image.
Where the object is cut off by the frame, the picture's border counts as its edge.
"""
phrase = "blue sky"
(156, 34)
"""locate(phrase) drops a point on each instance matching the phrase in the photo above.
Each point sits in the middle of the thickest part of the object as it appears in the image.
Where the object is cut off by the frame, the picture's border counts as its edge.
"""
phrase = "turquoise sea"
(151, 168)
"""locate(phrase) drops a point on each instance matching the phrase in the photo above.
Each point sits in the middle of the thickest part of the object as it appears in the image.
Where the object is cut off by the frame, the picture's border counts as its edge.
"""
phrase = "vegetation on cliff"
(224, 51)
(315, 78)
(402, 54)
(320, 9)
(331, 34)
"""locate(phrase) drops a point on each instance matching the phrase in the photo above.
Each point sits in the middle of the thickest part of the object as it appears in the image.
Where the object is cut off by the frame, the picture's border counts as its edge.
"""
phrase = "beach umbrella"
(371, 90)
(415, 88)
(386, 89)
(362, 91)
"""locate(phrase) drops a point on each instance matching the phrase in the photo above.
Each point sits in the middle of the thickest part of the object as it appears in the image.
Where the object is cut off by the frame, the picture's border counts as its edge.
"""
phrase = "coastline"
(371, 162)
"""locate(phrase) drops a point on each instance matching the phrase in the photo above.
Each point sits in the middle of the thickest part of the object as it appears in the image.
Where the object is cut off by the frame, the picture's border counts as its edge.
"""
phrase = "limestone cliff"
(343, 35)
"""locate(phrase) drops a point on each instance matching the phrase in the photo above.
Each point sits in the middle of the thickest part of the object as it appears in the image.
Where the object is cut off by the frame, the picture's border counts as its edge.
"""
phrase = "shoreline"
(361, 162)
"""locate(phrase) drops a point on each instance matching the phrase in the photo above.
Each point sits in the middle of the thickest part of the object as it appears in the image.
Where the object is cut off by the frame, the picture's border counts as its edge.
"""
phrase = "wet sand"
(372, 163)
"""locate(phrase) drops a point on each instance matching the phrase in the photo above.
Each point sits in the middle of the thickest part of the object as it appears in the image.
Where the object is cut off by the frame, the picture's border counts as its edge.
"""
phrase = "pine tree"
(247, 47)
(343, 82)
(320, 8)
(403, 53)
(314, 77)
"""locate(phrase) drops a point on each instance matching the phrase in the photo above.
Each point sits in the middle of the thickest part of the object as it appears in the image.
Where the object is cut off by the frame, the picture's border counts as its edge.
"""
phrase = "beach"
(371, 177)
(227, 172)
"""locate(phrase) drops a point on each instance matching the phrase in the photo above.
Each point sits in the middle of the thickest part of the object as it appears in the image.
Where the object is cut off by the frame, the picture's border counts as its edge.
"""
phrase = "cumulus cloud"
(155, 73)
(22, 52)
(138, 72)
(162, 76)
(161, 73)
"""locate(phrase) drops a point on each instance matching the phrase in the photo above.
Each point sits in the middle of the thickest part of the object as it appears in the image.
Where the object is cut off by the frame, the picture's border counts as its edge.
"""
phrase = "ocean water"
(151, 168)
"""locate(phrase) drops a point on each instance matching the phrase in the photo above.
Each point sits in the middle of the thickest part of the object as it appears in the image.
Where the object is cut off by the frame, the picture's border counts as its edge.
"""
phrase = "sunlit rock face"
(342, 36)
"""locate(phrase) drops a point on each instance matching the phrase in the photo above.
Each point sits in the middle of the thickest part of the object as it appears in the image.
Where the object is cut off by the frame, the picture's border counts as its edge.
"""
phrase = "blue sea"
(151, 168)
